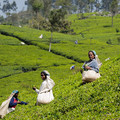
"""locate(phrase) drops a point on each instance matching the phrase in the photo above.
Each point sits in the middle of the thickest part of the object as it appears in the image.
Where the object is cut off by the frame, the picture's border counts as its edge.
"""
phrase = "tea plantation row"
(21, 66)
(63, 44)
(20, 69)
(97, 100)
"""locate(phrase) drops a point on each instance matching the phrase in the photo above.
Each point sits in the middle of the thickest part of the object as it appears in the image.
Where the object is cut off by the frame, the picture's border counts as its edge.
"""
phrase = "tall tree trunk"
(112, 20)
(50, 41)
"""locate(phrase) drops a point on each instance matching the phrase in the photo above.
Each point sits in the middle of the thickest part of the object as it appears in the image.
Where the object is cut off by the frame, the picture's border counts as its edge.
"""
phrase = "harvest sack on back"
(98, 61)
(89, 76)
(45, 98)
(4, 106)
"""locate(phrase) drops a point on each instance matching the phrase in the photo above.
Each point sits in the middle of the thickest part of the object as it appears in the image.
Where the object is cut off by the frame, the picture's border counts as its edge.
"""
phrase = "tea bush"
(21, 66)
(6, 40)
(96, 100)
(17, 59)
(76, 52)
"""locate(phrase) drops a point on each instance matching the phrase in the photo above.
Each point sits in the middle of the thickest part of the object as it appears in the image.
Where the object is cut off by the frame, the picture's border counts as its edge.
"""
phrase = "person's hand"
(18, 102)
(48, 90)
(87, 67)
(81, 70)
(23, 103)
(34, 88)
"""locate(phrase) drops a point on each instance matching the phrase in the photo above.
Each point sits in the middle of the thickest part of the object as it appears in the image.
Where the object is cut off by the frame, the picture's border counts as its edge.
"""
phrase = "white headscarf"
(49, 81)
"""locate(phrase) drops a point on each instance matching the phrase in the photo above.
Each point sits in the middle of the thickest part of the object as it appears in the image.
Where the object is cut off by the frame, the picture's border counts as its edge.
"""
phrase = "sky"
(20, 5)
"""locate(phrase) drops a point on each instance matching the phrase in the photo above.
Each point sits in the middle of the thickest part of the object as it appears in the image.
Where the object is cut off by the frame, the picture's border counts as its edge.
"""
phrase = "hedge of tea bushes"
(25, 81)
(80, 52)
(29, 55)
(66, 46)
(33, 34)
(97, 27)
(93, 24)
(6, 71)
(96, 100)
(94, 39)
(17, 59)
(7, 40)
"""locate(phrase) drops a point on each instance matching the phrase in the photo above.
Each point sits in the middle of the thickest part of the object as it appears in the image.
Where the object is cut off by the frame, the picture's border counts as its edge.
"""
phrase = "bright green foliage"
(96, 27)
(21, 66)
(27, 58)
(37, 5)
(61, 42)
(98, 100)
(6, 40)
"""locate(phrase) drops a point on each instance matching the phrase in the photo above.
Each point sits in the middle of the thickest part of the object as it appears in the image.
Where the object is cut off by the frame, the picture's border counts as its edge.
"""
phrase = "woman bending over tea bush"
(14, 101)
(45, 94)
(10, 104)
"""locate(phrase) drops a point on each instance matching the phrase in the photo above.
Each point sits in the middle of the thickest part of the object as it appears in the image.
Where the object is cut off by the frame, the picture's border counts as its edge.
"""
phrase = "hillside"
(21, 66)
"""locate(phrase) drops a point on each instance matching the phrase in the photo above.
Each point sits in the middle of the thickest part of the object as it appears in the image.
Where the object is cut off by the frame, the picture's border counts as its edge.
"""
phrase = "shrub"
(117, 30)
(21, 66)
(109, 41)
(118, 40)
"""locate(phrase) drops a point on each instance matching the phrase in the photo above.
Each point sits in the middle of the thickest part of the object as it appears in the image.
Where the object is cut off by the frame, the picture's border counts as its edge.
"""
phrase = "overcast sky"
(20, 5)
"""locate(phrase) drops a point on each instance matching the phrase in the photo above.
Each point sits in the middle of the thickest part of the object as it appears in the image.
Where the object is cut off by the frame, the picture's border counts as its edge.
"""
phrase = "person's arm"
(36, 90)
(22, 102)
(93, 66)
(43, 89)
(84, 65)
(11, 104)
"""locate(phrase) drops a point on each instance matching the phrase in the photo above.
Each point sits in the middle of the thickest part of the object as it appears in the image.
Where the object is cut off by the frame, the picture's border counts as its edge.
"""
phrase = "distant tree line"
(50, 14)
(39, 12)
(71, 6)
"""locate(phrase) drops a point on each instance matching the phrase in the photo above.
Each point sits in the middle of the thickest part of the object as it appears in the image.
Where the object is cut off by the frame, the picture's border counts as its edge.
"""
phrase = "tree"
(114, 9)
(7, 7)
(1, 19)
(86, 5)
(106, 5)
(47, 7)
(57, 22)
(0, 6)
(81, 5)
(14, 6)
(36, 5)
(97, 5)
(39, 22)
(91, 4)
(64, 4)
(14, 18)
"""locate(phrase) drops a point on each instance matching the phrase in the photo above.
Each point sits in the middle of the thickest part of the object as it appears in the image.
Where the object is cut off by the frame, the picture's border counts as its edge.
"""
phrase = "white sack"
(45, 98)
(45, 94)
(4, 106)
(89, 76)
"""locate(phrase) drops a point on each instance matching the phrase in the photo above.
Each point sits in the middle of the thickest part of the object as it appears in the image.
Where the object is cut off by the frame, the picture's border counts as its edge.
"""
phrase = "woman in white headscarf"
(90, 69)
(45, 94)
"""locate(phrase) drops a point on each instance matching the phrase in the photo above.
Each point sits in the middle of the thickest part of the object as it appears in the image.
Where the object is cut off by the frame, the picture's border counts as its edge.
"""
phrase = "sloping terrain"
(20, 67)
